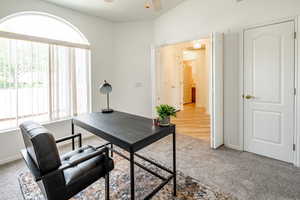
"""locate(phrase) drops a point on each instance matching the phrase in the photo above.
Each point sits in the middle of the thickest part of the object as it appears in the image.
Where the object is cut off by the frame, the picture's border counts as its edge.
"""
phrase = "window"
(44, 74)
(42, 25)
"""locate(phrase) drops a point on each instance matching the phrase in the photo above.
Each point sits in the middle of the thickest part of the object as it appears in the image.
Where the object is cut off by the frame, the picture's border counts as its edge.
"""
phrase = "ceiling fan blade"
(156, 5)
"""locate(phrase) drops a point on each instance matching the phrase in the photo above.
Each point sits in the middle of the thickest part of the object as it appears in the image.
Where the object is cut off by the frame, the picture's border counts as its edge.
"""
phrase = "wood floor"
(193, 121)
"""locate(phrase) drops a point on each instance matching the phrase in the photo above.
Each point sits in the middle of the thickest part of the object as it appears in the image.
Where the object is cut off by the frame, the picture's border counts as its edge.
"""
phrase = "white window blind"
(42, 82)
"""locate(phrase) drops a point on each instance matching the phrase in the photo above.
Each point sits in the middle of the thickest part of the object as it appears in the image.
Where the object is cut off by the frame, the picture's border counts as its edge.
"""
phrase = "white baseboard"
(10, 159)
(235, 147)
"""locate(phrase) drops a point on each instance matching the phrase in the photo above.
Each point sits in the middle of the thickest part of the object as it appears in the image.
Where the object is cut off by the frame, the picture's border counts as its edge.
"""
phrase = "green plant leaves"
(165, 110)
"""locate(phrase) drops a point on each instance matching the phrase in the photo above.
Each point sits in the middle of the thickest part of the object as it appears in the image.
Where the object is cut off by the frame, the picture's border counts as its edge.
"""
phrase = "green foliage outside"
(18, 59)
(11, 85)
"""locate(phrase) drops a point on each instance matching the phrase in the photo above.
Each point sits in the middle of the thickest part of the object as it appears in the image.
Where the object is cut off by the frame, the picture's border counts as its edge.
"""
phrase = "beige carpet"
(187, 187)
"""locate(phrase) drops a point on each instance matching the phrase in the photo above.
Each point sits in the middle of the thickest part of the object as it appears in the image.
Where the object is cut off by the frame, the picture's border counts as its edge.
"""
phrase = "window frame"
(17, 36)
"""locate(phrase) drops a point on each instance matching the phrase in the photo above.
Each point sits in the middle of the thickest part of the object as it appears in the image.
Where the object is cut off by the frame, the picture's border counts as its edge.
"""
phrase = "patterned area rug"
(187, 188)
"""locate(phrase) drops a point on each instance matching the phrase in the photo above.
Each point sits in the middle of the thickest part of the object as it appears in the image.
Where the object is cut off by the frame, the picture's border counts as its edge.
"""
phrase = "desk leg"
(107, 186)
(174, 164)
(73, 139)
(132, 190)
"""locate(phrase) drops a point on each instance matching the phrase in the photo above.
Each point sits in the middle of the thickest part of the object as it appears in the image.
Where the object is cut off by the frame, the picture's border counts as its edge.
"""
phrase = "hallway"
(193, 121)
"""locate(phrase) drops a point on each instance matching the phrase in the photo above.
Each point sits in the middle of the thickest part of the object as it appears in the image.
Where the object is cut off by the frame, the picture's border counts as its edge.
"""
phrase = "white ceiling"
(119, 10)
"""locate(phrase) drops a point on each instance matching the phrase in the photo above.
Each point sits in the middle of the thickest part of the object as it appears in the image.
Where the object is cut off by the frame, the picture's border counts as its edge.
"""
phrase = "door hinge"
(295, 35)
(294, 147)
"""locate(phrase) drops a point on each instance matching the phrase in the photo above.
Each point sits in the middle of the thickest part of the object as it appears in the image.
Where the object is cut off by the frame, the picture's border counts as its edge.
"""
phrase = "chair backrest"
(41, 146)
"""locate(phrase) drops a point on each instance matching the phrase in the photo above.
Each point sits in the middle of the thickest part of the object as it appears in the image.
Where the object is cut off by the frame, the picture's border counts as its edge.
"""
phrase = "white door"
(269, 90)
(216, 83)
(178, 78)
(187, 83)
(155, 78)
(164, 76)
(168, 76)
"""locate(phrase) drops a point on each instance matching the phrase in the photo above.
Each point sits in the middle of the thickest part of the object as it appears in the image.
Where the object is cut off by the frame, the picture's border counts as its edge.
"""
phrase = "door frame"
(211, 74)
(296, 135)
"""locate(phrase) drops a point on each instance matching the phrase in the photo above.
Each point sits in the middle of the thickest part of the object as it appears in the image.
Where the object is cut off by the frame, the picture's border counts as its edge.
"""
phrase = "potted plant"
(164, 112)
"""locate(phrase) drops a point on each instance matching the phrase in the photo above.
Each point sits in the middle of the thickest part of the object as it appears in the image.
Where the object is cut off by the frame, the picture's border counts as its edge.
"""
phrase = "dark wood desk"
(132, 133)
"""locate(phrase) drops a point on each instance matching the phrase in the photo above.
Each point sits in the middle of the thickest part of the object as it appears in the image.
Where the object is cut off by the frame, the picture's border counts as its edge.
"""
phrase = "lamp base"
(107, 110)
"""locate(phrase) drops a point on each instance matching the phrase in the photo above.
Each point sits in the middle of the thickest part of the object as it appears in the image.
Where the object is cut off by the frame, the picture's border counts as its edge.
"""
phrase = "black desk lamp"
(106, 88)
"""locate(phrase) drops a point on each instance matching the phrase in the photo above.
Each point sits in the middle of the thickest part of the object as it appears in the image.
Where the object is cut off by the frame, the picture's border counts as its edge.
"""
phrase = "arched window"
(42, 25)
(44, 69)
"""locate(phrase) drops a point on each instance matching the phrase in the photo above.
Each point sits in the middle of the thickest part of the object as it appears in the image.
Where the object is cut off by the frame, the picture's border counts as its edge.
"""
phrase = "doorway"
(177, 82)
(269, 95)
(185, 86)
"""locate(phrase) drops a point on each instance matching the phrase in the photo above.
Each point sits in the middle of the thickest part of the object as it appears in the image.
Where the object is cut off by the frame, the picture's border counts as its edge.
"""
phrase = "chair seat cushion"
(94, 167)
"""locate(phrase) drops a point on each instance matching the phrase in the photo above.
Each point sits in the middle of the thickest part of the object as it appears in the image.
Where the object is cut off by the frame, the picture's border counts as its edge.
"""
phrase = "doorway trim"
(296, 135)
(212, 73)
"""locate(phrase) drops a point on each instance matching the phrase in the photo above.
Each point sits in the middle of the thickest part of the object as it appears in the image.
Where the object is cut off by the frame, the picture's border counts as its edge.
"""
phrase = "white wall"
(131, 67)
(99, 34)
(194, 19)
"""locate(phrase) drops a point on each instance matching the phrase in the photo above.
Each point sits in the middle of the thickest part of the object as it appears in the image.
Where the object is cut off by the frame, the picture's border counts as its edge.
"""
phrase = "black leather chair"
(60, 178)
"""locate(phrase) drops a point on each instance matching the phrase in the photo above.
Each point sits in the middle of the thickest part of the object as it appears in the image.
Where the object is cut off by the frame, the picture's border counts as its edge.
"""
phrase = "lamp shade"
(105, 88)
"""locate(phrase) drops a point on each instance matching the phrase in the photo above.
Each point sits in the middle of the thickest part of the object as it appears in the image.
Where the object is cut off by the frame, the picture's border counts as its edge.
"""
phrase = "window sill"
(43, 123)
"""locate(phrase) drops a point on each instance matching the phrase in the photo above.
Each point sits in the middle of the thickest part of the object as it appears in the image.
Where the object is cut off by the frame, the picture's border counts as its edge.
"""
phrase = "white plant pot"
(165, 121)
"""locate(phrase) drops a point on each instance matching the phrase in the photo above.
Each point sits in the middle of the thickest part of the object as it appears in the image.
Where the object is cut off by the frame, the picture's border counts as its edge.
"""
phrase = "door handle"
(249, 97)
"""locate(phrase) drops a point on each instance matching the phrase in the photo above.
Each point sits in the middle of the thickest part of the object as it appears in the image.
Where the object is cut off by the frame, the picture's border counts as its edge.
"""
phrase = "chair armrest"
(69, 138)
(78, 161)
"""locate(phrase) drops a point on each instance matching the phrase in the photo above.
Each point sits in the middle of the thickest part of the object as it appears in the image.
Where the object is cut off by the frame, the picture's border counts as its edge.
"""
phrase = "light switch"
(138, 84)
